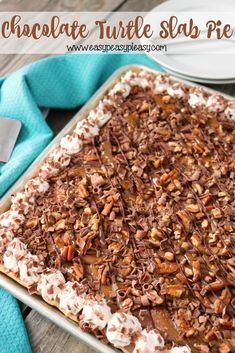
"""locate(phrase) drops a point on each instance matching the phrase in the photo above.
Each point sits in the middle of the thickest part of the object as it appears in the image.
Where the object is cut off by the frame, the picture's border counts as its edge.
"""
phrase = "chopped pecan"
(115, 247)
(196, 240)
(216, 213)
(78, 270)
(224, 347)
(210, 335)
(196, 265)
(192, 332)
(61, 224)
(165, 268)
(31, 223)
(184, 218)
(59, 242)
(107, 208)
(68, 253)
(175, 290)
(193, 208)
(218, 306)
(169, 256)
(82, 191)
(156, 234)
(215, 285)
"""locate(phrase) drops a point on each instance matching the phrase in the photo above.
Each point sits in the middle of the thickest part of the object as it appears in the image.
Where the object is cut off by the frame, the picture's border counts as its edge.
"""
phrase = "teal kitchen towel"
(13, 335)
(65, 81)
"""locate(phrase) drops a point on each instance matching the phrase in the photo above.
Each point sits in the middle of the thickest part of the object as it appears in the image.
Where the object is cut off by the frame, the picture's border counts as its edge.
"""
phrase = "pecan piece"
(59, 242)
(217, 285)
(82, 191)
(169, 256)
(107, 208)
(61, 224)
(175, 290)
(184, 218)
(31, 223)
(193, 208)
(196, 265)
(224, 347)
(192, 332)
(166, 268)
(68, 253)
(78, 270)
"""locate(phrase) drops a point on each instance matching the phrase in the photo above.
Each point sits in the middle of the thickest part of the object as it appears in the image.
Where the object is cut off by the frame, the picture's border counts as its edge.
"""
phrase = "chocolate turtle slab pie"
(129, 226)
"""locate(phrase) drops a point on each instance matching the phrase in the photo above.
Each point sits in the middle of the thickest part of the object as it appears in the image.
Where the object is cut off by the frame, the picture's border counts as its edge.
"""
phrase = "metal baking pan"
(34, 301)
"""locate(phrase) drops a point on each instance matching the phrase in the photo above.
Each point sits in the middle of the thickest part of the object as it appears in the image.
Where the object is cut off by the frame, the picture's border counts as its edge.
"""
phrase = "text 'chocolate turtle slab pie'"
(129, 226)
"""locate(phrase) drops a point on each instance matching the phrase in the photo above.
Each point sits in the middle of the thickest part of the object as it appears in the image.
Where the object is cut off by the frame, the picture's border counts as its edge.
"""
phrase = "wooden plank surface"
(12, 62)
(45, 337)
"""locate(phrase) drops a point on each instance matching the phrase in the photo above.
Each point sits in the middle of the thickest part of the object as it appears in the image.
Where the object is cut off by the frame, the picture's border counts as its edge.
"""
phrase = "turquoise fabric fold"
(13, 335)
(65, 81)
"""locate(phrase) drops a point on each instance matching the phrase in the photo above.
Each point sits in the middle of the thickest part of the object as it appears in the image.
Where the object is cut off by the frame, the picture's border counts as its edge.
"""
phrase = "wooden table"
(45, 337)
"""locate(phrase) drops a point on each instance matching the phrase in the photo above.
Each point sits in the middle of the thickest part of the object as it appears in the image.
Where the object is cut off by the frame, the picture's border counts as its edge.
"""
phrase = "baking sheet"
(21, 293)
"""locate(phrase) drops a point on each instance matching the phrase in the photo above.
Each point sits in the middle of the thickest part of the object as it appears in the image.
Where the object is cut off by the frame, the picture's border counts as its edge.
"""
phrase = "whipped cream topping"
(215, 103)
(20, 202)
(36, 186)
(134, 79)
(70, 301)
(96, 313)
(128, 76)
(139, 81)
(196, 98)
(182, 349)
(101, 114)
(147, 74)
(29, 268)
(176, 90)
(121, 87)
(5, 237)
(71, 144)
(121, 328)
(48, 170)
(15, 251)
(50, 284)
(162, 83)
(12, 220)
(86, 129)
(230, 110)
(149, 342)
(59, 158)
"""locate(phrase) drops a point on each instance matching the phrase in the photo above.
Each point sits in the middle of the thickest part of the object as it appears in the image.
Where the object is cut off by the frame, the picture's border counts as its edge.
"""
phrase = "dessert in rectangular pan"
(129, 226)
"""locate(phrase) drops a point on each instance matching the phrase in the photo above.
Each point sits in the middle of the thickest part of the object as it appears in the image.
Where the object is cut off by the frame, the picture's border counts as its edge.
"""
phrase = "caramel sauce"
(106, 289)
(79, 171)
(90, 259)
(126, 184)
(129, 197)
(213, 122)
(164, 324)
(133, 118)
(107, 154)
(162, 104)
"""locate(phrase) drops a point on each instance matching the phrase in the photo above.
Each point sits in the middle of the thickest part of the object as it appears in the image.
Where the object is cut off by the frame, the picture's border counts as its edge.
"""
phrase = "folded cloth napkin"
(65, 81)
(13, 335)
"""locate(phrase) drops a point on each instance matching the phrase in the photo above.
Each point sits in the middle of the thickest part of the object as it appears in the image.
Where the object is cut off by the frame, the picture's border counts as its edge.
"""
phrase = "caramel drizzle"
(134, 247)
(202, 237)
(172, 248)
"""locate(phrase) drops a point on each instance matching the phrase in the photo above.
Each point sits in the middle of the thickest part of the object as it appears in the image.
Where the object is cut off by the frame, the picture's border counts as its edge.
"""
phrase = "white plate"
(206, 67)
(198, 79)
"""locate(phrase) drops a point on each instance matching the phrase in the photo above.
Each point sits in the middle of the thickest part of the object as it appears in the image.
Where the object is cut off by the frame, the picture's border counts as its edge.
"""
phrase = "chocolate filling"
(145, 214)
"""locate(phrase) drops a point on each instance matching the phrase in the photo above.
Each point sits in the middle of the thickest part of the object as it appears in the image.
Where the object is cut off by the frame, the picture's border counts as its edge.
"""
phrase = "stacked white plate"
(205, 68)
